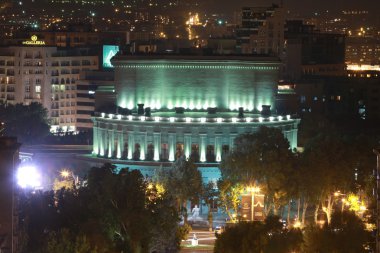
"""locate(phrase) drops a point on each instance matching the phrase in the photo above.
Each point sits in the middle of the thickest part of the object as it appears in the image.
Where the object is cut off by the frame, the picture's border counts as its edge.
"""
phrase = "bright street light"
(65, 173)
(28, 177)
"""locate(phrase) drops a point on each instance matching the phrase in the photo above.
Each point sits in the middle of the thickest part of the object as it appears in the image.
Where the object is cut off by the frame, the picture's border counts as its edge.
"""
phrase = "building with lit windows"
(261, 30)
(192, 106)
(37, 73)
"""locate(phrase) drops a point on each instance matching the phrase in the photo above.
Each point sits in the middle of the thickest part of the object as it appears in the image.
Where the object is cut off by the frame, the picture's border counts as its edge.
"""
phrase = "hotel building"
(37, 73)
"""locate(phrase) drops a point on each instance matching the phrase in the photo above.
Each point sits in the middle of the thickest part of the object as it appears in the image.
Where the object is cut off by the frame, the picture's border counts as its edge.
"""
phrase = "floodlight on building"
(28, 177)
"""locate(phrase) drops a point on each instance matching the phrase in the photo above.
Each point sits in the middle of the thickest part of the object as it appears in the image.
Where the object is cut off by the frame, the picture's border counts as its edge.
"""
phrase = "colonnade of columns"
(110, 140)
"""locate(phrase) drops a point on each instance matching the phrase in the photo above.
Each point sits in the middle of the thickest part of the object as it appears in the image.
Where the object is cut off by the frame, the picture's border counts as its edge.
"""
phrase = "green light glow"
(110, 150)
(195, 84)
(142, 154)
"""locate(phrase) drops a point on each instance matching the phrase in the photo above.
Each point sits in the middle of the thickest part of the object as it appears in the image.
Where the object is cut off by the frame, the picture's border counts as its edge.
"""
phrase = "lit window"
(38, 88)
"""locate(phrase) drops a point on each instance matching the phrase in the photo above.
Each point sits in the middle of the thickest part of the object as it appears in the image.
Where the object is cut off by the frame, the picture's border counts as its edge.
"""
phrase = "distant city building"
(363, 50)
(37, 73)
(310, 52)
(261, 30)
(355, 95)
(95, 90)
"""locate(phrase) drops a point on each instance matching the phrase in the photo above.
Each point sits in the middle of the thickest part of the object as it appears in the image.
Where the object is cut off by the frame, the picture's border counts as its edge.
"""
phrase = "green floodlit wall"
(195, 84)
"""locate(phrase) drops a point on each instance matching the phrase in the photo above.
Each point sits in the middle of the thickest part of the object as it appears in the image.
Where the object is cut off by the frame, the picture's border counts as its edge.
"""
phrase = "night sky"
(304, 5)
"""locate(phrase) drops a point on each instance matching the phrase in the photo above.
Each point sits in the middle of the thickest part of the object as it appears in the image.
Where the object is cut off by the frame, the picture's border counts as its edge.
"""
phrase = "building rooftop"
(190, 57)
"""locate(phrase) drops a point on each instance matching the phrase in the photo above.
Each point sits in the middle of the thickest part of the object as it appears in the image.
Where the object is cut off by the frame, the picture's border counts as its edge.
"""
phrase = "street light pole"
(253, 205)
(377, 153)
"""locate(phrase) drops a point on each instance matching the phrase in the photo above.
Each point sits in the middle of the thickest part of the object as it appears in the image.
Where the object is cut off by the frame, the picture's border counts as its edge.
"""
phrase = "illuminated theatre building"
(187, 105)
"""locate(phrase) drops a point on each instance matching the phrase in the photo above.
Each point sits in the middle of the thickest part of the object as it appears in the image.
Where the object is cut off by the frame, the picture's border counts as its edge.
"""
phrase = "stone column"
(101, 141)
(218, 148)
(143, 146)
(131, 144)
(202, 148)
(157, 146)
(172, 147)
(111, 142)
(120, 144)
(294, 138)
(95, 147)
(187, 145)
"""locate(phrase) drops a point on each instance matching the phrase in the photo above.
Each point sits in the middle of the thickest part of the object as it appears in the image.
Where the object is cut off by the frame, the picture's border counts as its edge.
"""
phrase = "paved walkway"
(206, 242)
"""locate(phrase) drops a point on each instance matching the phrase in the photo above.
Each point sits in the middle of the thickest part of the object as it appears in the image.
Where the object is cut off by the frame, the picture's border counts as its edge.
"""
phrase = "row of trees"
(345, 234)
(117, 211)
(329, 163)
(31, 125)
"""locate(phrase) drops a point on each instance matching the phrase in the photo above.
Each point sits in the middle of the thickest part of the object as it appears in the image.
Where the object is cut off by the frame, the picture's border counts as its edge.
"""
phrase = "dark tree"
(29, 123)
(252, 237)
(118, 211)
(345, 234)
(263, 158)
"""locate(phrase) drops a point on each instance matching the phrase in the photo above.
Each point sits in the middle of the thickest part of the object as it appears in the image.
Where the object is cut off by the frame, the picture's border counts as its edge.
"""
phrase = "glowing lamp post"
(253, 191)
(252, 204)
(67, 173)
(28, 177)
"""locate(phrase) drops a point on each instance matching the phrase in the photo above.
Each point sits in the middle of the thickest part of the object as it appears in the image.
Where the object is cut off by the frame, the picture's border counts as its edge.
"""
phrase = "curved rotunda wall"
(195, 83)
(120, 137)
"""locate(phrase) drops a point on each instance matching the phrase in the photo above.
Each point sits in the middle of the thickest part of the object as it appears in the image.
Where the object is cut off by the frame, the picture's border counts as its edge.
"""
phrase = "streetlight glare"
(28, 177)
(65, 173)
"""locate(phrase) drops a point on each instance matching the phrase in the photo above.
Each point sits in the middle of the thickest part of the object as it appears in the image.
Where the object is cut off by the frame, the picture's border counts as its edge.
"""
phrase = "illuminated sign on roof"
(109, 51)
(34, 41)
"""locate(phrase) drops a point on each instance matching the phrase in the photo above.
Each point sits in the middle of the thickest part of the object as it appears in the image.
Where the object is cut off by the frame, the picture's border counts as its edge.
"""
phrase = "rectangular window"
(38, 89)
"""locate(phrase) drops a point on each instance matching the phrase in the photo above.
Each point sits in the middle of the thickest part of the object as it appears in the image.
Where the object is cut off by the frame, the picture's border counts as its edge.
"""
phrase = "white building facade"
(36, 73)
(192, 106)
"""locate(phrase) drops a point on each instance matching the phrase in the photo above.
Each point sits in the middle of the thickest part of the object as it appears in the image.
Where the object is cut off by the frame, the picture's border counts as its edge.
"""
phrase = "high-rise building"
(310, 52)
(36, 73)
(362, 50)
(261, 30)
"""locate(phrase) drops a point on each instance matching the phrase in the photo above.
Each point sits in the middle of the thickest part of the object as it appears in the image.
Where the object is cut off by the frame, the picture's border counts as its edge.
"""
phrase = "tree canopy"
(118, 211)
(263, 158)
(29, 123)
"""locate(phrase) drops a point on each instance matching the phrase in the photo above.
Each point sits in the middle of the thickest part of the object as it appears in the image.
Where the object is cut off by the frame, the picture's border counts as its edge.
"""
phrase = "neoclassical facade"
(192, 106)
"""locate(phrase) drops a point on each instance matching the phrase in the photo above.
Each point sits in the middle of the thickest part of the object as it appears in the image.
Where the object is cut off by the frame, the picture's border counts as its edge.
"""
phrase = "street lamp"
(28, 177)
(67, 173)
(253, 190)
